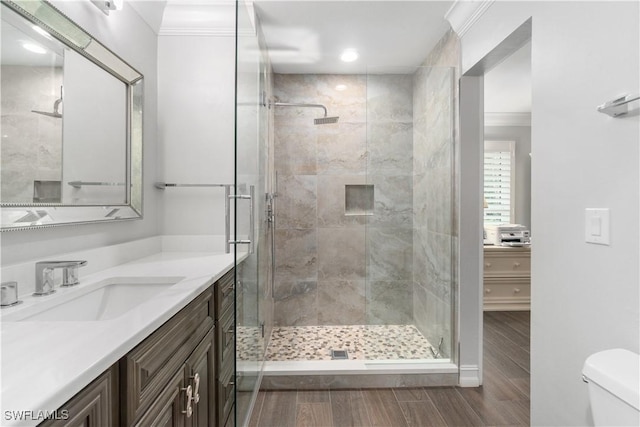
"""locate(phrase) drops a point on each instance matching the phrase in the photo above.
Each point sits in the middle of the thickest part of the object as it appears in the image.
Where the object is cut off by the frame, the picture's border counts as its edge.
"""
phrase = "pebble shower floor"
(362, 342)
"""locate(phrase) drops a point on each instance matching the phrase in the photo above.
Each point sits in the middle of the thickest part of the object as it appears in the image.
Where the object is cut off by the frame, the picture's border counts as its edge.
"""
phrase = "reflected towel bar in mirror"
(163, 185)
(79, 184)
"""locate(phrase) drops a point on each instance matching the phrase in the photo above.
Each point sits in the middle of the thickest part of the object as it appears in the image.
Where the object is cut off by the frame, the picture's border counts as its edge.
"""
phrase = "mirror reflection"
(64, 135)
(71, 130)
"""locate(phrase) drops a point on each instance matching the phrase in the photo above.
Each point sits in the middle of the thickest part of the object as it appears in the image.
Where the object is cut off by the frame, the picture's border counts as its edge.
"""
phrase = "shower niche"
(359, 199)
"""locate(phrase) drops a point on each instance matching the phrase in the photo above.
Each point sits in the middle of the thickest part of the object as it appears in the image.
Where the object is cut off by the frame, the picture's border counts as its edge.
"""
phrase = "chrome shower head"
(325, 120)
(320, 121)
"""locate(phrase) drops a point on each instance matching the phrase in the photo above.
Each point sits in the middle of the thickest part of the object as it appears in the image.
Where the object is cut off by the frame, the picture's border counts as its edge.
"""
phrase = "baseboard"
(470, 376)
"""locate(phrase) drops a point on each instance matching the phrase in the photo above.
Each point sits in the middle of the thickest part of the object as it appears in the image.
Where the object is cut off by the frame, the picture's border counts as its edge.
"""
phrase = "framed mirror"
(71, 129)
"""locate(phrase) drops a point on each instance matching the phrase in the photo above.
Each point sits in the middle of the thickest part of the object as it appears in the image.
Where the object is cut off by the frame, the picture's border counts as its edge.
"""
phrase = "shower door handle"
(251, 237)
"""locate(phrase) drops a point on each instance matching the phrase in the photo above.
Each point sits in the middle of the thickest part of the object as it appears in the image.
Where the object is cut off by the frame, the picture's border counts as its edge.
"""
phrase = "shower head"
(319, 121)
(325, 120)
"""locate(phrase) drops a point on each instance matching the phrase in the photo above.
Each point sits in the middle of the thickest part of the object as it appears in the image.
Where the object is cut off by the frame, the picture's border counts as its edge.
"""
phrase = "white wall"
(102, 157)
(130, 37)
(585, 297)
(196, 127)
(521, 135)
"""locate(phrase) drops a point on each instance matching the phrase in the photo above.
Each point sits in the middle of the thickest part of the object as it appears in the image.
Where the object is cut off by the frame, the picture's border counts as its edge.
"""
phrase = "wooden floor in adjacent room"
(502, 400)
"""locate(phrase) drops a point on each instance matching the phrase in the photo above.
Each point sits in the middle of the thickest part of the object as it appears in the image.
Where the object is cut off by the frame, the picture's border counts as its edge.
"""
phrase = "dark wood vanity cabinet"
(95, 406)
(225, 353)
(181, 375)
(147, 369)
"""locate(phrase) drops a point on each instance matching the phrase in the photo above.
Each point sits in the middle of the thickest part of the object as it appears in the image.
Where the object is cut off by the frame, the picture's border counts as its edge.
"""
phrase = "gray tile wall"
(332, 268)
(434, 183)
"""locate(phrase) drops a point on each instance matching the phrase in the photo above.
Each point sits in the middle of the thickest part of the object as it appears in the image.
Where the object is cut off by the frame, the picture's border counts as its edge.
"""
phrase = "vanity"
(168, 360)
(507, 278)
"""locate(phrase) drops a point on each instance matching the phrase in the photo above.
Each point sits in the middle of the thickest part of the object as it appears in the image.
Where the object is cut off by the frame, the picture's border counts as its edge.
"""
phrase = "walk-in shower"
(353, 280)
(364, 267)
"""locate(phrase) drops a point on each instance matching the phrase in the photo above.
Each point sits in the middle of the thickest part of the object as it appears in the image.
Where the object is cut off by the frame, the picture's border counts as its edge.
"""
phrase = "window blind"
(498, 179)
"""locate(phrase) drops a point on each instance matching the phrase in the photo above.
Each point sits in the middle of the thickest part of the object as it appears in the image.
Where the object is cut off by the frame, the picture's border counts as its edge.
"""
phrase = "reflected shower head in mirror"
(319, 121)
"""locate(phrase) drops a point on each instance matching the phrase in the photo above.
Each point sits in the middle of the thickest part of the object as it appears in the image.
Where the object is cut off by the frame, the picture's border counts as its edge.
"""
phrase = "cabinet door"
(201, 365)
(167, 409)
(95, 406)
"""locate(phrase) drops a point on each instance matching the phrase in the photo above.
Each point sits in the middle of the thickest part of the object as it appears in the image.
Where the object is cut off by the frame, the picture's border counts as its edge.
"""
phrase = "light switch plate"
(596, 226)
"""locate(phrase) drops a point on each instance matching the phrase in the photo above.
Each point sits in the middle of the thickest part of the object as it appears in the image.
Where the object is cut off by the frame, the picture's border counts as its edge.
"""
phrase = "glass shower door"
(250, 225)
(410, 258)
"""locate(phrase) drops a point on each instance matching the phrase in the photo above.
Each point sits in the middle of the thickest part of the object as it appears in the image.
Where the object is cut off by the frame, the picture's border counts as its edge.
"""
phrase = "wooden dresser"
(507, 278)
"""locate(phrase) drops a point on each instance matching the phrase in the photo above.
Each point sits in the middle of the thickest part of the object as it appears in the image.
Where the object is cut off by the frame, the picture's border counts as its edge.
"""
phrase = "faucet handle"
(9, 294)
(70, 273)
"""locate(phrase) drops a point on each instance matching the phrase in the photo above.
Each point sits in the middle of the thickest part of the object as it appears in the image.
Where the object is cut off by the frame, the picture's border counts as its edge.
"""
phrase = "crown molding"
(463, 14)
(507, 119)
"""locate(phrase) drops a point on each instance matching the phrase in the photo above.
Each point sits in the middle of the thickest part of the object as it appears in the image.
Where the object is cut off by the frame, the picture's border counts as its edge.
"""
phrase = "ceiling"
(307, 36)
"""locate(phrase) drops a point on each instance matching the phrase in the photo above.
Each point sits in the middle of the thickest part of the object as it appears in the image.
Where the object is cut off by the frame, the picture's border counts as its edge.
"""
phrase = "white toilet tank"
(614, 387)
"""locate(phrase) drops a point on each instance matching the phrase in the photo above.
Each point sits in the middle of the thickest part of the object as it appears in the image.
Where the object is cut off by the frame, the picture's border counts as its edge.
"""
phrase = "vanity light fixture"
(341, 87)
(108, 5)
(349, 55)
(34, 48)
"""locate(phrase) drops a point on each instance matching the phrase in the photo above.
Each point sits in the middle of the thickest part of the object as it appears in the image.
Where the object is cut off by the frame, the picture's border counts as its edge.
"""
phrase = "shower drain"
(339, 354)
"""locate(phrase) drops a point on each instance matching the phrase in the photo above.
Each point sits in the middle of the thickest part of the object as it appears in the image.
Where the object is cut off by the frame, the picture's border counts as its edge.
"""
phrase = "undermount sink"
(104, 300)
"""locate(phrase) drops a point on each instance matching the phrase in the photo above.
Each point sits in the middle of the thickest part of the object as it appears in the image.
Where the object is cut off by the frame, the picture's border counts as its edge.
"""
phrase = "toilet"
(613, 378)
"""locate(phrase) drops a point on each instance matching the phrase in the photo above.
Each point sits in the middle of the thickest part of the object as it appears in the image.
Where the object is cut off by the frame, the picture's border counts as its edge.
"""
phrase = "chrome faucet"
(44, 275)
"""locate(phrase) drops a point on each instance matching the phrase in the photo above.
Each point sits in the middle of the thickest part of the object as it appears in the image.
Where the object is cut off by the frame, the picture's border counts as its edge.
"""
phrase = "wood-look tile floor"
(503, 400)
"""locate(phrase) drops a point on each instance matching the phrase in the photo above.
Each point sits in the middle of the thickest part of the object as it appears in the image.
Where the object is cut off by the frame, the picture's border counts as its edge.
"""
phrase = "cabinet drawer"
(500, 264)
(514, 289)
(225, 333)
(226, 396)
(224, 292)
(150, 366)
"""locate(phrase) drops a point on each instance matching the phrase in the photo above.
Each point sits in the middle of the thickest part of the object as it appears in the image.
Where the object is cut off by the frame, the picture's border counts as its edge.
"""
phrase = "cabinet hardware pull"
(229, 331)
(227, 291)
(488, 291)
(188, 394)
(487, 264)
(516, 264)
(196, 388)
(516, 290)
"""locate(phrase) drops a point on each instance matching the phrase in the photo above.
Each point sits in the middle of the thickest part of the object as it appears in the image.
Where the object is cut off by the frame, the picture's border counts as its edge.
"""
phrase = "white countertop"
(44, 364)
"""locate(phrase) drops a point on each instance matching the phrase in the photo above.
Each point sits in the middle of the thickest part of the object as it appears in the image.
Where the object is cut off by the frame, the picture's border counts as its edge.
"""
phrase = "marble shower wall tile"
(296, 204)
(296, 255)
(342, 149)
(341, 253)
(389, 253)
(389, 302)
(390, 148)
(432, 262)
(341, 302)
(350, 103)
(295, 148)
(296, 303)
(331, 201)
(389, 98)
(393, 201)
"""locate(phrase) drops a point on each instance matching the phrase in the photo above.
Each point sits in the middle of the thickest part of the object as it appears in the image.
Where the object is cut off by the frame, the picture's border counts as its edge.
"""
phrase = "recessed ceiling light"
(349, 55)
(341, 87)
(34, 48)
